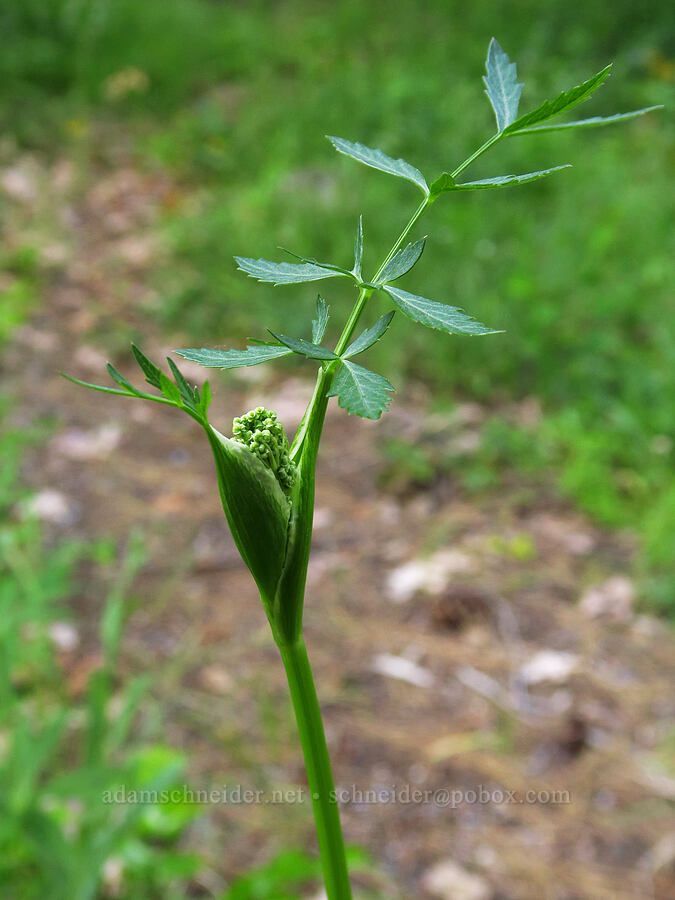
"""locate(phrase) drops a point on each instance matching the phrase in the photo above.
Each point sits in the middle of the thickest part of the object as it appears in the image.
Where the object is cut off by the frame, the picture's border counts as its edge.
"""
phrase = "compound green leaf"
(234, 359)
(303, 347)
(589, 123)
(564, 101)
(360, 391)
(502, 85)
(403, 261)
(370, 336)
(376, 159)
(321, 321)
(436, 315)
(285, 273)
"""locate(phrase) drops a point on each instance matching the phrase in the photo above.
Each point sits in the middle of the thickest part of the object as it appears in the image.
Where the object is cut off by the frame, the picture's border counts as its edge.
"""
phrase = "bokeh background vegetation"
(232, 101)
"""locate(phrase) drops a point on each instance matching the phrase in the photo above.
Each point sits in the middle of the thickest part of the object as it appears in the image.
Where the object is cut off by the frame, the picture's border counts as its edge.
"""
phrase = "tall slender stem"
(289, 638)
(319, 774)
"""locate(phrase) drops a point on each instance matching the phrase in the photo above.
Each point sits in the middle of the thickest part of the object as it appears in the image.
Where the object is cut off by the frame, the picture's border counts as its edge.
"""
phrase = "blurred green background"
(232, 101)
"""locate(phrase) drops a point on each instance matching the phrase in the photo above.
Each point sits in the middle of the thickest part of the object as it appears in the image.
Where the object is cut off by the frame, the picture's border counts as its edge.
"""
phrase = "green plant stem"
(486, 146)
(287, 618)
(319, 774)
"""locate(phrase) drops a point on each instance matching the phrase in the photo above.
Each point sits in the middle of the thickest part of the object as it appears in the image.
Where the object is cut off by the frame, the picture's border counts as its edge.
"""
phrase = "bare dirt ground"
(458, 643)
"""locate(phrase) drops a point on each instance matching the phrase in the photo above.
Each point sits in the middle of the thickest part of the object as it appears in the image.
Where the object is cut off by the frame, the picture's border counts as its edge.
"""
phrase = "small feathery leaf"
(150, 370)
(187, 393)
(103, 389)
(118, 378)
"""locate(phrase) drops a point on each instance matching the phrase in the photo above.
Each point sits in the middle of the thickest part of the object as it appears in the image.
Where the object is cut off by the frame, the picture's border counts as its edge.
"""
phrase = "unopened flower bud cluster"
(264, 435)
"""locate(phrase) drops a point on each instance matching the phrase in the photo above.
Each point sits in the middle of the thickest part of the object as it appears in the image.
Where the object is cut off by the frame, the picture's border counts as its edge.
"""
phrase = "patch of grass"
(292, 871)
(19, 285)
(617, 475)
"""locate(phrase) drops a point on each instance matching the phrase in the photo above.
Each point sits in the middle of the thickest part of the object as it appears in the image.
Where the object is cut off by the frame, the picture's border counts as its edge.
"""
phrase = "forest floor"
(460, 643)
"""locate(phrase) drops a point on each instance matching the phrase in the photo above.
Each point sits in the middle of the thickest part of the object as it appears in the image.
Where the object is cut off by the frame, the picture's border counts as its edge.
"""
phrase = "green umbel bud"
(264, 435)
(257, 509)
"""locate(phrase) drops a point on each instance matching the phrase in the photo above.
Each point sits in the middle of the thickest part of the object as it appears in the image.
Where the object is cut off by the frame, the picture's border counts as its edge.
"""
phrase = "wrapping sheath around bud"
(257, 510)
